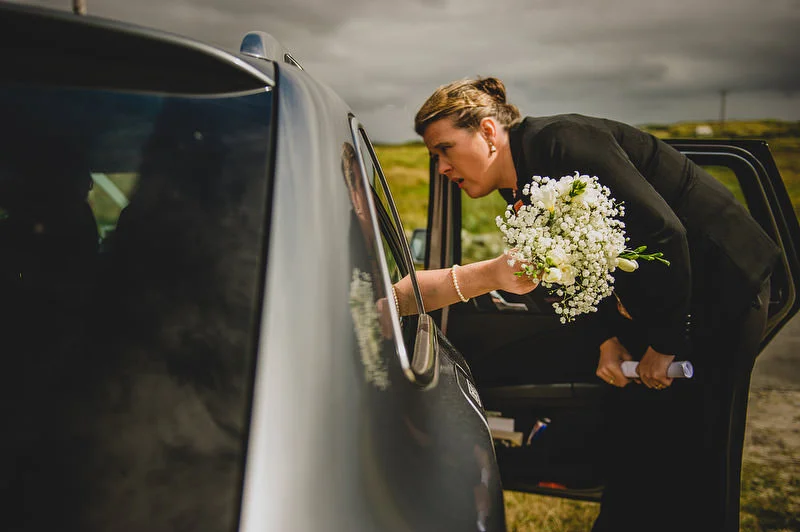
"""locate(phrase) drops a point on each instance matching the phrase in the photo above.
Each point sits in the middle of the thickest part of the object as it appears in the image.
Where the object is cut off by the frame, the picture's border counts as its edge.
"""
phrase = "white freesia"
(557, 257)
(568, 275)
(552, 275)
(627, 265)
(547, 199)
(589, 197)
(570, 236)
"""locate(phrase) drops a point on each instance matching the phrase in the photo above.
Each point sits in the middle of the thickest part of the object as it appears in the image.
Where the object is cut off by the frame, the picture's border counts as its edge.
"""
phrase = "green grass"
(406, 168)
(770, 499)
(526, 512)
(770, 502)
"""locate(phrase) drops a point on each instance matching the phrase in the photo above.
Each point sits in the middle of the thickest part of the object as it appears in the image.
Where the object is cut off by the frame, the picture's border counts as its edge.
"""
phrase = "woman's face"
(464, 156)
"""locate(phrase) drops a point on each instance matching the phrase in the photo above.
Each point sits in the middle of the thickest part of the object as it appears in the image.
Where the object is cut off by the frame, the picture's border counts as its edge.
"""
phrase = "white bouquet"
(571, 238)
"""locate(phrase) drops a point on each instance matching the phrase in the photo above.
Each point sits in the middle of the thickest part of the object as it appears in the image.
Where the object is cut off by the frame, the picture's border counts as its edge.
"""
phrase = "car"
(198, 249)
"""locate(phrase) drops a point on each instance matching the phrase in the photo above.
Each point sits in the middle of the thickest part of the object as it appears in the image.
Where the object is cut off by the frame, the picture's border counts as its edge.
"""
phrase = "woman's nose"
(444, 166)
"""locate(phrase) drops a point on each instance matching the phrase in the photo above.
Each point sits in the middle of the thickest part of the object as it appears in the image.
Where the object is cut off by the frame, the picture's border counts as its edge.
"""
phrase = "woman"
(717, 283)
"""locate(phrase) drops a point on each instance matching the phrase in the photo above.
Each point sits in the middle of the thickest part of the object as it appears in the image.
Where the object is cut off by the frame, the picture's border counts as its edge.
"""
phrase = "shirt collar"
(515, 134)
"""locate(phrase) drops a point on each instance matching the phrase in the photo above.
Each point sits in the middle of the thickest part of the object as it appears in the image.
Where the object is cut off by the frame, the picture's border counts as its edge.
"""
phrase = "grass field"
(770, 480)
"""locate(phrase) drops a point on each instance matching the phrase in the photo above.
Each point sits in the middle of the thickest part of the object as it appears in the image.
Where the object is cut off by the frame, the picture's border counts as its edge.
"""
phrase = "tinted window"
(392, 239)
(132, 238)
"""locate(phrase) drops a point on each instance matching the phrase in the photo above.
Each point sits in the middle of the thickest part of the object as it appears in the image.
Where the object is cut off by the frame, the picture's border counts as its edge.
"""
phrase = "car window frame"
(420, 366)
(750, 174)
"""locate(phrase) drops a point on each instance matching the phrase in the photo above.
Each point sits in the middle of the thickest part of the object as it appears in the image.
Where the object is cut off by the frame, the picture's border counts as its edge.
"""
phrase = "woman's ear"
(488, 128)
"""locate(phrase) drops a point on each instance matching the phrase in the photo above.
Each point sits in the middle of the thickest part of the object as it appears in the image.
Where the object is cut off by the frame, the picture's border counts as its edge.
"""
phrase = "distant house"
(703, 130)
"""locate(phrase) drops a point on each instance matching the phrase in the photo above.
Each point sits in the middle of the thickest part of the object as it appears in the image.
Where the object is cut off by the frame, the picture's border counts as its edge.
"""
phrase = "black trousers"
(667, 456)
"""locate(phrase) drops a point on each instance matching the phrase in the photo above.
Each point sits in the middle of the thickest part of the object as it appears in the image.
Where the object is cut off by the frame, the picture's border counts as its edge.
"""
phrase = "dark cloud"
(626, 59)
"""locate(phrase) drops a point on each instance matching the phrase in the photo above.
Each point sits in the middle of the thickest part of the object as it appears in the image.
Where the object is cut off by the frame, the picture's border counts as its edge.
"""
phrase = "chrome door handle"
(501, 304)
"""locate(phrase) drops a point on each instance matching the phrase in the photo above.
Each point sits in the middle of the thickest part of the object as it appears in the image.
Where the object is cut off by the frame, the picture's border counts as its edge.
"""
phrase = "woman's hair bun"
(493, 87)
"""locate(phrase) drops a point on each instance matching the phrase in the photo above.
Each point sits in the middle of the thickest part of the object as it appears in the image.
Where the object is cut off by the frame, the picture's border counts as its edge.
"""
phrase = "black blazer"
(719, 254)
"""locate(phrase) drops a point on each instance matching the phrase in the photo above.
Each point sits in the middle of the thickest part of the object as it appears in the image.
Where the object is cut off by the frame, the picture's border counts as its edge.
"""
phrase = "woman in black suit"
(708, 306)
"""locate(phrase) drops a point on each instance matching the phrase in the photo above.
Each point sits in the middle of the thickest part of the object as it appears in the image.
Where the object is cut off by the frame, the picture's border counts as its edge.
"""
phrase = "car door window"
(395, 255)
(727, 176)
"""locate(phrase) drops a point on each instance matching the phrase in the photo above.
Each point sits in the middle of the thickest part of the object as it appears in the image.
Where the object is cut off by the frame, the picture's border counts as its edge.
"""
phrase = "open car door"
(537, 376)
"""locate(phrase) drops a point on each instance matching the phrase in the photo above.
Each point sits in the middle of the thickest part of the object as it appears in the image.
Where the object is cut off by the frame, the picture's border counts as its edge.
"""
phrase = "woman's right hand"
(506, 278)
(609, 367)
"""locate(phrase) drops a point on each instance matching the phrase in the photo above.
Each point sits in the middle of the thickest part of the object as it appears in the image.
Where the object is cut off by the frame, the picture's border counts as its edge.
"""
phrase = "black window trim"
(422, 366)
(760, 202)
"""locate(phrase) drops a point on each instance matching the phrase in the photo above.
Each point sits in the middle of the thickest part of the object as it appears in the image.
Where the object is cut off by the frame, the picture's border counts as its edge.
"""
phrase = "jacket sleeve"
(656, 295)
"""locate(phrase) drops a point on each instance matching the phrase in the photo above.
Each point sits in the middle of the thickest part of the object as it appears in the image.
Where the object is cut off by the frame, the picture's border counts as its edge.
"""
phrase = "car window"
(727, 176)
(386, 224)
(393, 246)
(132, 240)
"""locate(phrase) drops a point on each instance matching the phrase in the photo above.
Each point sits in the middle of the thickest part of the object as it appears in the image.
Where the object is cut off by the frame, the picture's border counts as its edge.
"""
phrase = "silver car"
(197, 248)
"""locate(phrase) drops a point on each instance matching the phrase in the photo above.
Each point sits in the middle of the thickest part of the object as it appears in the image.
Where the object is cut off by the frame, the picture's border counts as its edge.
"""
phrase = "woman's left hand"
(653, 369)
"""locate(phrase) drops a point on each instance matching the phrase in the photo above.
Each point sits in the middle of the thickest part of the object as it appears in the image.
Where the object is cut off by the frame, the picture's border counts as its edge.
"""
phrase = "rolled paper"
(677, 370)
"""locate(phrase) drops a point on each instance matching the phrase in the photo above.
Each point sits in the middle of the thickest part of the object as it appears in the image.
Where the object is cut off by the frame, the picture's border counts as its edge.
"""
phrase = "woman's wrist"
(456, 285)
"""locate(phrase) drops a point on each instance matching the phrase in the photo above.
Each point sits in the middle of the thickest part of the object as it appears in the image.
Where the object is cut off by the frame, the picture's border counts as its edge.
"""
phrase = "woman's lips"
(459, 182)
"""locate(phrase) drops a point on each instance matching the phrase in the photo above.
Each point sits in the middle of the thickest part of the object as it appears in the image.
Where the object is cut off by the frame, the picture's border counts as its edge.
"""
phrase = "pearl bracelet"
(455, 284)
(396, 301)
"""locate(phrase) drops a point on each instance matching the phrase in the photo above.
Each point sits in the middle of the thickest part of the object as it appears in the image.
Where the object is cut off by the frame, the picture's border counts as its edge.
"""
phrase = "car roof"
(40, 45)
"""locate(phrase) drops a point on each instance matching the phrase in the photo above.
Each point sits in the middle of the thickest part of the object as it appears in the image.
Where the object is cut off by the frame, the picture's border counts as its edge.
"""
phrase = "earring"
(492, 149)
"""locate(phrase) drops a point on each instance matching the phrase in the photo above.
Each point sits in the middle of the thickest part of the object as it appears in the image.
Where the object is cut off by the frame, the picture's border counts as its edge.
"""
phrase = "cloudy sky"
(639, 61)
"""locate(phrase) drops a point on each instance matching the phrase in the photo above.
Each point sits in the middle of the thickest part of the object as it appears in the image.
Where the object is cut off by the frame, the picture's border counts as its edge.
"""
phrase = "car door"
(438, 459)
(538, 375)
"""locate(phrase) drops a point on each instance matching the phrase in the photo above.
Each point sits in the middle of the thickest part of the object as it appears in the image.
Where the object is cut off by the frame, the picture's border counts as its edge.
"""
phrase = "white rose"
(552, 275)
(627, 265)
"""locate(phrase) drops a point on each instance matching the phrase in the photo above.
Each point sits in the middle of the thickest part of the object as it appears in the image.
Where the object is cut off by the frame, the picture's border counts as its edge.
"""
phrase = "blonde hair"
(467, 102)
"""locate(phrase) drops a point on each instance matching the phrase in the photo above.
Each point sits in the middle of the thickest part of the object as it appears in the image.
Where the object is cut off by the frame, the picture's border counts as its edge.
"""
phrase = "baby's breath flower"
(571, 237)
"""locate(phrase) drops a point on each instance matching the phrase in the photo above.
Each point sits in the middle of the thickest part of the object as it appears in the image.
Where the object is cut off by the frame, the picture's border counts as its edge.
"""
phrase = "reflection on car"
(197, 250)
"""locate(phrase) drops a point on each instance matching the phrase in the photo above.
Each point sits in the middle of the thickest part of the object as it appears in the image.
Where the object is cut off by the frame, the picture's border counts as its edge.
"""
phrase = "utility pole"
(79, 7)
(723, 95)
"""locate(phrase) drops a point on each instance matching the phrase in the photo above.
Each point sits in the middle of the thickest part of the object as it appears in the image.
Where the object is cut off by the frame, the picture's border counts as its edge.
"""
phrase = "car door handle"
(506, 306)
